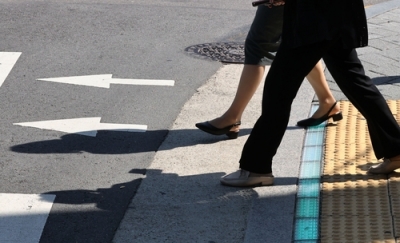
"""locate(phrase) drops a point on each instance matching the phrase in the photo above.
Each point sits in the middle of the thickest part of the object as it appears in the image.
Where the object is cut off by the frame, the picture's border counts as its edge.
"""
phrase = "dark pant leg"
(284, 78)
(349, 74)
(264, 35)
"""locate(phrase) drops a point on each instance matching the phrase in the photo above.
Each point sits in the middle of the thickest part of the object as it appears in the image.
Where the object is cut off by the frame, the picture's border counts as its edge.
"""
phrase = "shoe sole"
(247, 185)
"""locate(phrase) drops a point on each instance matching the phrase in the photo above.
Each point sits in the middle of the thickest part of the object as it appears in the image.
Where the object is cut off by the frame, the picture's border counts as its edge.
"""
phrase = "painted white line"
(23, 216)
(104, 81)
(83, 126)
(7, 62)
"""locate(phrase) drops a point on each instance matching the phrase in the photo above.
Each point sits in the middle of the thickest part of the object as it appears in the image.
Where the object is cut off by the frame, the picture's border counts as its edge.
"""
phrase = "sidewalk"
(181, 199)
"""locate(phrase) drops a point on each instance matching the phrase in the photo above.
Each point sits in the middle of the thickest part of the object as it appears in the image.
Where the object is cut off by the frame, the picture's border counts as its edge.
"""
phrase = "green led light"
(310, 170)
(319, 128)
(313, 139)
(306, 229)
(305, 241)
(313, 153)
(307, 208)
(308, 188)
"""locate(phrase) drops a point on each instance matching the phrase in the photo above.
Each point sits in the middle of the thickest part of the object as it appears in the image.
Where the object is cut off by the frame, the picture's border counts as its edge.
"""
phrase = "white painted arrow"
(83, 126)
(104, 81)
(7, 62)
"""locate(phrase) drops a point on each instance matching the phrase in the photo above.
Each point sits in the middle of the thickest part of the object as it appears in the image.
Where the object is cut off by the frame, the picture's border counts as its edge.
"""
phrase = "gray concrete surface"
(130, 39)
(180, 198)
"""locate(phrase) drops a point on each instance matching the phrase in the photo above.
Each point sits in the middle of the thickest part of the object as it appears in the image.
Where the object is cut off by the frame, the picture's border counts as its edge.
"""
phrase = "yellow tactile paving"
(357, 207)
(394, 192)
(356, 229)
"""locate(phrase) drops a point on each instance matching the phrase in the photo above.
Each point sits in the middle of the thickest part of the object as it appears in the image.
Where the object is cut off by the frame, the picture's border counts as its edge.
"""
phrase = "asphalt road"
(94, 178)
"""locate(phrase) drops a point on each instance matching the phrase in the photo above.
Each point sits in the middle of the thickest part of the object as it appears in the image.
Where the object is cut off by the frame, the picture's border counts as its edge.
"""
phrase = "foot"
(324, 108)
(242, 178)
(221, 122)
(386, 167)
(231, 131)
(330, 113)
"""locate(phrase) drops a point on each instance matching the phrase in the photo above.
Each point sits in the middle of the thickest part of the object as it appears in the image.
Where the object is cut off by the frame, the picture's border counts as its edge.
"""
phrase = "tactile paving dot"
(394, 191)
(356, 207)
(355, 187)
(356, 229)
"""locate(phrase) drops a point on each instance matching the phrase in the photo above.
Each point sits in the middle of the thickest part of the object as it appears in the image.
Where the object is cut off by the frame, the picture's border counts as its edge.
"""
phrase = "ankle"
(326, 100)
(221, 122)
(329, 105)
(227, 119)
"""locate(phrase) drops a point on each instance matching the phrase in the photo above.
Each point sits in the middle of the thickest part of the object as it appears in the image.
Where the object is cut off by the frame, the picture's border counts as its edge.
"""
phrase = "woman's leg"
(263, 38)
(284, 78)
(249, 81)
(349, 74)
(325, 98)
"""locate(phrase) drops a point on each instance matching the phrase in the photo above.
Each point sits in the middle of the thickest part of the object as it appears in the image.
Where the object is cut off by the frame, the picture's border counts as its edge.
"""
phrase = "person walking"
(312, 30)
(263, 38)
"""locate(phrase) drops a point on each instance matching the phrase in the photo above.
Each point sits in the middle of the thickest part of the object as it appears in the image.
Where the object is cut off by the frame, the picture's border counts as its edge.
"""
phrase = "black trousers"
(282, 83)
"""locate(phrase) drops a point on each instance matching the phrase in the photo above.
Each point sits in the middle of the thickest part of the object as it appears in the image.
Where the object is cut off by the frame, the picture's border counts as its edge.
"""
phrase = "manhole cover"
(230, 52)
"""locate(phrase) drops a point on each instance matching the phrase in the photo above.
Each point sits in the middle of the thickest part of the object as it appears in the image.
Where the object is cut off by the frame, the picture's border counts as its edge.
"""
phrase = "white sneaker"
(247, 178)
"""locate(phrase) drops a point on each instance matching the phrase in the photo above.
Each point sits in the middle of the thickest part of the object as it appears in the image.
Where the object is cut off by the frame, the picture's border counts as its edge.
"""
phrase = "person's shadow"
(84, 215)
(386, 80)
(115, 142)
(112, 142)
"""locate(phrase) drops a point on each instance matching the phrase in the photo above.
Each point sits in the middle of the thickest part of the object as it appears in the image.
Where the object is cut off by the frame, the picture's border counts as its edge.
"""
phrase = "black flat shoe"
(208, 128)
(316, 121)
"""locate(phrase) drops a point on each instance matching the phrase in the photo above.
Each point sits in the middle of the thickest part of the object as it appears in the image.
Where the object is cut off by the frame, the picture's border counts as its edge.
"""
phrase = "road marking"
(104, 81)
(7, 62)
(23, 216)
(83, 126)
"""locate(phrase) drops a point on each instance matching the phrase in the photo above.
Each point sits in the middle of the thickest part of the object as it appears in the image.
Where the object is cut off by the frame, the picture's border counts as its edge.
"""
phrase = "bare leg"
(325, 98)
(248, 84)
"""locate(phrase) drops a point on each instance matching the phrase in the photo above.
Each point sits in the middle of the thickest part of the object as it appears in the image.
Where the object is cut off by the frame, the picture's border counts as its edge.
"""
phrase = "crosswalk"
(7, 62)
(23, 216)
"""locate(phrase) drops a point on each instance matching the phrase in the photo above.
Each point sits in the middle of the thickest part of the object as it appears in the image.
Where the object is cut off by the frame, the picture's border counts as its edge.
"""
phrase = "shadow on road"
(386, 80)
(110, 142)
(178, 200)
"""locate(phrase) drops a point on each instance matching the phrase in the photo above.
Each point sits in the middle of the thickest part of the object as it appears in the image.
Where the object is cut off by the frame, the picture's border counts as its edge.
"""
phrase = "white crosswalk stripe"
(23, 216)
